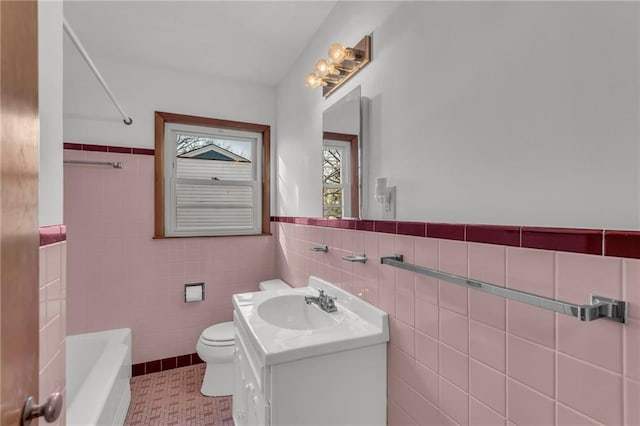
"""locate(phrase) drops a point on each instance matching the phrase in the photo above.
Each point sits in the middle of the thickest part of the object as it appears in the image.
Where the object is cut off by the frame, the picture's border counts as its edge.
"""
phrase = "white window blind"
(212, 176)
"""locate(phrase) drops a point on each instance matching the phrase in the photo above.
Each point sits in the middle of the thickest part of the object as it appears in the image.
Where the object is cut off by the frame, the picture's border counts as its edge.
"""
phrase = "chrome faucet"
(324, 301)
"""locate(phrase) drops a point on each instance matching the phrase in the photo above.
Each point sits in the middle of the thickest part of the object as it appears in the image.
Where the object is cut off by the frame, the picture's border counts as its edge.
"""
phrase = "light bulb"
(338, 53)
(324, 68)
(311, 80)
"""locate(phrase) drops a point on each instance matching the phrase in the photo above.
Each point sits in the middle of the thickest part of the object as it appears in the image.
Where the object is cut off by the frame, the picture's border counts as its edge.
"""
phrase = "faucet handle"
(320, 292)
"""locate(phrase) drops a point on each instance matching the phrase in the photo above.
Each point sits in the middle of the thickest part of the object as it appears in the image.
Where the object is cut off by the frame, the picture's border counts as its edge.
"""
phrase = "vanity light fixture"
(343, 63)
(386, 197)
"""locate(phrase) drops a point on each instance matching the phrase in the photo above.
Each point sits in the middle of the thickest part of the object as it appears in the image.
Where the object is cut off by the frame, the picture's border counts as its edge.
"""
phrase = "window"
(335, 185)
(339, 175)
(212, 177)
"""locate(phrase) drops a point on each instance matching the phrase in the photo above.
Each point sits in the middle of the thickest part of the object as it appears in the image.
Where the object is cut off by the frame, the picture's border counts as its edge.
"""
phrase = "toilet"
(216, 346)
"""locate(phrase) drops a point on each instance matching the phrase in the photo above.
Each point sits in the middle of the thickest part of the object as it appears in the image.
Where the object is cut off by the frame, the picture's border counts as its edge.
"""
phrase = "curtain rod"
(74, 38)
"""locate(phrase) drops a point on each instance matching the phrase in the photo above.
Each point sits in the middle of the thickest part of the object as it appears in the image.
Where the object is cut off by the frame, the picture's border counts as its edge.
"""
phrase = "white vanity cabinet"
(250, 407)
(342, 388)
(298, 362)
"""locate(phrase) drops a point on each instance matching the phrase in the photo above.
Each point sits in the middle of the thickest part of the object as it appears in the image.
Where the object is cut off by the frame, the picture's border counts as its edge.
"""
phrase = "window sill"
(162, 237)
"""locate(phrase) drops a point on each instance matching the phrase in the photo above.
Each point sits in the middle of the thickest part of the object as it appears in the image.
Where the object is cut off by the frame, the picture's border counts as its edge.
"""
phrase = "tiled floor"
(172, 398)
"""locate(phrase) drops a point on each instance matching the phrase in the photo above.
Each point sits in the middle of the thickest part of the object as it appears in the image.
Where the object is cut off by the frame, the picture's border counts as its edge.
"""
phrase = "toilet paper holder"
(193, 292)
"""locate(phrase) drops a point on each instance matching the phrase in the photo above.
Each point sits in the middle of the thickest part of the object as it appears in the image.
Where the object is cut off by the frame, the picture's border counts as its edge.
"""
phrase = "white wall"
(91, 118)
(505, 112)
(50, 107)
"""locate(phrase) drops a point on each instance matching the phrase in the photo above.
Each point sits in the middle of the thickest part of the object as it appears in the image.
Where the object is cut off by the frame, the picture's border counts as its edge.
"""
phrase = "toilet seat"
(219, 335)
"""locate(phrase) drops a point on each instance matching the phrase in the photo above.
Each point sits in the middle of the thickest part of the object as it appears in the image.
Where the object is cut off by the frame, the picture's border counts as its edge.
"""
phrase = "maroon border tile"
(447, 231)
(138, 369)
(494, 234)
(386, 226)
(165, 364)
(195, 359)
(183, 361)
(365, 225)
(588, 241)
(350, 223)
(153, 366)
(108, 148)
(100, 148)
(169, 363)
(74, 146)
(622, 244)
(317, 221)
(618, 243)
(333, 223)
(417, 229)
(143, 151)
(346, 224)
(120, 149)
(52, 234)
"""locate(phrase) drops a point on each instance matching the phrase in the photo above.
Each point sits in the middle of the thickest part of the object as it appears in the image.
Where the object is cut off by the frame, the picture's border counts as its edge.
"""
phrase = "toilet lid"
(222, 333)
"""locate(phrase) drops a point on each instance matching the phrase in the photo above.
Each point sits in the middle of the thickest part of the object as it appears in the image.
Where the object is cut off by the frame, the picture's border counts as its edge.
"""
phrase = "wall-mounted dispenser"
(193, 292)
(386, 197)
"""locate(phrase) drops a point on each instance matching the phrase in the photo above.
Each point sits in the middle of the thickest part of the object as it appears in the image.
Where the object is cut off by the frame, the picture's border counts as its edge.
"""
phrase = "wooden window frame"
(161, 118)
(353, 141)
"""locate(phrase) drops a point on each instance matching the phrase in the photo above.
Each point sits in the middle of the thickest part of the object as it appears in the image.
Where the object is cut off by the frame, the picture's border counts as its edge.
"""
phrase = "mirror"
(342, 157)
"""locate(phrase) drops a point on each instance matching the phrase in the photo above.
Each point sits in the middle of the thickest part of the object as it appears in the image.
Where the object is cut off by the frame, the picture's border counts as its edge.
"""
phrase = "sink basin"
(292, 312)
(281, 327)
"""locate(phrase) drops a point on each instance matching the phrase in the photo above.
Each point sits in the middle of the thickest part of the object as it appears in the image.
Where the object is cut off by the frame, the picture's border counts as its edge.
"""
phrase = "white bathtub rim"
(82, 410)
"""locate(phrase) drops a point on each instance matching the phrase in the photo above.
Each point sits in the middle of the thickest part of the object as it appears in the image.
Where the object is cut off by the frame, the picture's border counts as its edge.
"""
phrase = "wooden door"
(19, 235)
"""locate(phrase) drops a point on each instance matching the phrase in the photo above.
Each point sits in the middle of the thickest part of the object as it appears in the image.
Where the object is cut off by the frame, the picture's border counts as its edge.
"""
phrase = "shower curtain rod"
(74, 38)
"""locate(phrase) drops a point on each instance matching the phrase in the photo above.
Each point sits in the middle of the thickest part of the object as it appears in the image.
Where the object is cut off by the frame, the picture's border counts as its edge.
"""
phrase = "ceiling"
(254, 42)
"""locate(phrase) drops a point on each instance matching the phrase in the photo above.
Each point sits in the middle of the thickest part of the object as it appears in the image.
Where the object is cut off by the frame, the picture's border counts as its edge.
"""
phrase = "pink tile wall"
(461, 357)
(120, 277)
(53, 319)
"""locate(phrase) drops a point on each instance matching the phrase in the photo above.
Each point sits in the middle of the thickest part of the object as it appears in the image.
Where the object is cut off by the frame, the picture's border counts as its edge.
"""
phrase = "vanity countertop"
(355, 324)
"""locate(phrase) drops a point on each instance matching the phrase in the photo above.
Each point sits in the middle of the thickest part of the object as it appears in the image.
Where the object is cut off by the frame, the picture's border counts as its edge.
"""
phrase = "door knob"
(50, 410)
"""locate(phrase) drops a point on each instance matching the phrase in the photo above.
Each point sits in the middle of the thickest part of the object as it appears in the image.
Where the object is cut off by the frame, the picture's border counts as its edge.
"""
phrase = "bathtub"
(98, 374)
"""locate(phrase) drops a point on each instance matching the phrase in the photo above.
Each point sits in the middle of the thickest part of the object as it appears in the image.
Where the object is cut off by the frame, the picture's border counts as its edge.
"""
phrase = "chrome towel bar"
(600, 307)
(114, 164)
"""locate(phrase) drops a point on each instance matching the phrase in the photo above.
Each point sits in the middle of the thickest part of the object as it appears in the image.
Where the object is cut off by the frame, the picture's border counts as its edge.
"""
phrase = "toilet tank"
(276, 284)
